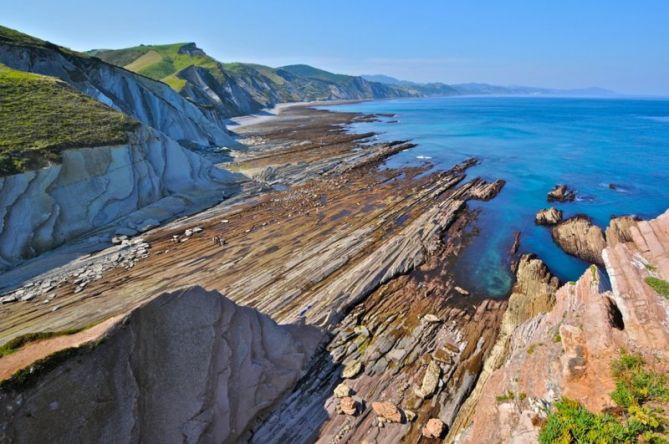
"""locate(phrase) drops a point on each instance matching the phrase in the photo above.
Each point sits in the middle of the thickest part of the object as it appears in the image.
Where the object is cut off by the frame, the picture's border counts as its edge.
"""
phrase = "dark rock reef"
(561, 193)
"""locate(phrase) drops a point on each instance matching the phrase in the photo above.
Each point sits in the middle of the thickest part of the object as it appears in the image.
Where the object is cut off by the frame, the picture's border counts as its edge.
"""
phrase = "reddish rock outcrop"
(388, 411)
(434, 428)
(567, 352)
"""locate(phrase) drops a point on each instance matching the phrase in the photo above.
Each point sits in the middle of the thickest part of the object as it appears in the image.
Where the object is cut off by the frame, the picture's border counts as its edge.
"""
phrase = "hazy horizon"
(611, 45)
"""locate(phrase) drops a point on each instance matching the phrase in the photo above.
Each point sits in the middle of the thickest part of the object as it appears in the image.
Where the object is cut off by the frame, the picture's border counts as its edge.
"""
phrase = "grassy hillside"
(314, 73)
(40, 116)
(233, 89)
(160, 62)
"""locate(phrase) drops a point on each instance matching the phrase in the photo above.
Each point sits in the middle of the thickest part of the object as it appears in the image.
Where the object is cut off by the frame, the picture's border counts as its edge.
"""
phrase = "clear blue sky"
(617, 44)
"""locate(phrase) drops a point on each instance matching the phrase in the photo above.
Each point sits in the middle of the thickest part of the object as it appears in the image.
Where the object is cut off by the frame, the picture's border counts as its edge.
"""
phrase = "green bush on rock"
(638, 394)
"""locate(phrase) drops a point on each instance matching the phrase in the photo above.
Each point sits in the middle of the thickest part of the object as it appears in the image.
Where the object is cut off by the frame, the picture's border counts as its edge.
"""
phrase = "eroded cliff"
(188, 366)
(568, 351)
(92, 187)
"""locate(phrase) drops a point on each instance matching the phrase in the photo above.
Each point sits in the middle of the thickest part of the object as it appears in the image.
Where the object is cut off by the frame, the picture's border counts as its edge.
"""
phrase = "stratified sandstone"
(567, 352)
(189, 366)
(579, 237)
(548, 216)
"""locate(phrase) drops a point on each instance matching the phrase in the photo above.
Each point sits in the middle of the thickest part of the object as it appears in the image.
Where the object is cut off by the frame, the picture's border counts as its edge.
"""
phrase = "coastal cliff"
(188, 366)
(153, 103)
(234, 89)
(570, 350)
(92, 187)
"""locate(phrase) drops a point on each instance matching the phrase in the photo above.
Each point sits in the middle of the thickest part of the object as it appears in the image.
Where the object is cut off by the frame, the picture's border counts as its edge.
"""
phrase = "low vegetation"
(659, 285)
(641, 396)
(160, 62)
(40, 116)
(20, 341)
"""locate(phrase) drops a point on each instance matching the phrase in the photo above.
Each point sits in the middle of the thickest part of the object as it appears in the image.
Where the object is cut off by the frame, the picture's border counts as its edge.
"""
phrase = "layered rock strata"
(189, 366)
(93, 187)
(568, 351)
(153, 103)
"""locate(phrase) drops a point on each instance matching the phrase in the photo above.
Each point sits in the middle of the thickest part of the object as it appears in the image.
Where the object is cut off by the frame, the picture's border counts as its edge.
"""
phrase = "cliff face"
(152, 103)
(233, 89)
(92, 187)
(189, 366)
(568, 351)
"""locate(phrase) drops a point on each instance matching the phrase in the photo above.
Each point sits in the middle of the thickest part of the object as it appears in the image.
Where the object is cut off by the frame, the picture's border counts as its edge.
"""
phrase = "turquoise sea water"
(535, 143)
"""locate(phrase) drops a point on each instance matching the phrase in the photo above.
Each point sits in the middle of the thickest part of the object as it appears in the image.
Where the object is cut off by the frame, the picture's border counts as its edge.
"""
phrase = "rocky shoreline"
(322, 239)
(346, 246)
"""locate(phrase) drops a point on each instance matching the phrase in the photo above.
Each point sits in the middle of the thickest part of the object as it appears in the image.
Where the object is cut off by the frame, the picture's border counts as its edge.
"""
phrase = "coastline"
(267, 114)
(346, 245)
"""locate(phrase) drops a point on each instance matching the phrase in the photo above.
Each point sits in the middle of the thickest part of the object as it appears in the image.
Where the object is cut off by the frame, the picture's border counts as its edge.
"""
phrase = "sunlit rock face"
(93, 187)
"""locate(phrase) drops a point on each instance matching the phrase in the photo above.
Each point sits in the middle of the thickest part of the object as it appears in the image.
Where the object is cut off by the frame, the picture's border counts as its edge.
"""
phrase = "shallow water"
(535, 143)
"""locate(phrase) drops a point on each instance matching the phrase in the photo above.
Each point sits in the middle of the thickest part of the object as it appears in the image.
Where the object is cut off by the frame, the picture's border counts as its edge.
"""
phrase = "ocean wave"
(661, 119)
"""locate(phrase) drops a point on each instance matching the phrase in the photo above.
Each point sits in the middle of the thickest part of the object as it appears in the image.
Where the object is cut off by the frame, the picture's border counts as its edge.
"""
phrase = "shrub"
(570, 422)
(659, 285)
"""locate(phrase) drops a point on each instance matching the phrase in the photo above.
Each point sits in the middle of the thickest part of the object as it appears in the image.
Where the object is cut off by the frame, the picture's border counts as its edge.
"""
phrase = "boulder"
(351, 370)
(349, 406)
(434, 428)
(548, 216)
(342, 391)
(561, 193)
(430, 380)
(430, 318)
(579, 237)
(461, 290)
(388, 411)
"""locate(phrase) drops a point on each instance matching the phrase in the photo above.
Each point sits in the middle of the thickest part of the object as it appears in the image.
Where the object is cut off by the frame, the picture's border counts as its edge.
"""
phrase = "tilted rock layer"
(189, 366)
(92, 187)
(567, 351)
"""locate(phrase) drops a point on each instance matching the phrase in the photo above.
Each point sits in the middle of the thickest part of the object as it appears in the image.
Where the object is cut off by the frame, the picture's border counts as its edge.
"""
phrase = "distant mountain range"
(483, 88)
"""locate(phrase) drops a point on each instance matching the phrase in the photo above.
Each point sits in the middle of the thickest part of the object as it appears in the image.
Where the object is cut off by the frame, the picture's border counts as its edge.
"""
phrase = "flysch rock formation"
(93, 187)
(366, 249)
(567, 350)
(188, 366)
(151, 102)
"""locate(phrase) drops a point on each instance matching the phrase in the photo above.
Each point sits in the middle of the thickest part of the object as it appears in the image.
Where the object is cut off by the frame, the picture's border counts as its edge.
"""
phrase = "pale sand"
(270, 113)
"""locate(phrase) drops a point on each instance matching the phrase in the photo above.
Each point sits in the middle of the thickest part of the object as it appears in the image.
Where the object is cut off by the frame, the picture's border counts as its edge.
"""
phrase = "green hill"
(314, 73)
(240, 88)
(40, 116)
(160, 62)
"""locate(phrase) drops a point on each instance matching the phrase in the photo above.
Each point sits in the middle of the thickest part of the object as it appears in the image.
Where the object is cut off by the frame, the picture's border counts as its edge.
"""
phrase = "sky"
(622, 45)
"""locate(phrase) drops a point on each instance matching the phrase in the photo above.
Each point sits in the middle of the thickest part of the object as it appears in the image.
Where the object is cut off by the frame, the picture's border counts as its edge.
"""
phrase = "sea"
(613, 152)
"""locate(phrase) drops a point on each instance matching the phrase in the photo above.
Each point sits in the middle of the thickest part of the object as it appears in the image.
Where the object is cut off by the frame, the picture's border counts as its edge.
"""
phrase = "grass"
(638, 393)
(20, 341)
(12, 36)
(659, 285)
(40, 116)
(508, 396)
(28, 376)
(160, 62)
(532, 348)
